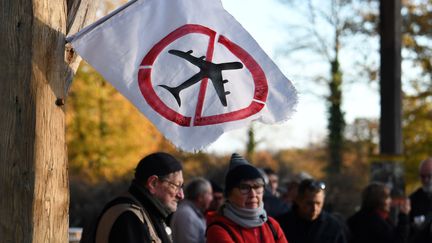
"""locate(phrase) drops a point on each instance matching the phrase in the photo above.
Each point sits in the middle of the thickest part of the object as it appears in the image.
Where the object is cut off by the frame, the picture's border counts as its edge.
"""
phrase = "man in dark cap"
(140, 214)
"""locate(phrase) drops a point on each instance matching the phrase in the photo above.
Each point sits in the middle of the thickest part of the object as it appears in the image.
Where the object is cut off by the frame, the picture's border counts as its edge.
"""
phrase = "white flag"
(189, 66)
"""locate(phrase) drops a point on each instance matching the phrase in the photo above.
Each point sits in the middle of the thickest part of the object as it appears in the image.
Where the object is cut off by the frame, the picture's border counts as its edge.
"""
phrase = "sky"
(267, 22)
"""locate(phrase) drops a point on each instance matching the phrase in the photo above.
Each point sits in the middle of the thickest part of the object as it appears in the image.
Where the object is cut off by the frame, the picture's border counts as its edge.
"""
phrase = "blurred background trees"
(105, 132)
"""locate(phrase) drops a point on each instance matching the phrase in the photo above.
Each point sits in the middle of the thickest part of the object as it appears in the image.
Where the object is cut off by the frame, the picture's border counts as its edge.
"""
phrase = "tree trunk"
(336, 120)
(34, 179)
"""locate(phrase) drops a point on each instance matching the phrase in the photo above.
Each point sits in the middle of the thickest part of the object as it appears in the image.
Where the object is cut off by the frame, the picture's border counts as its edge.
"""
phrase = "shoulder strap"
(273, 230)
(110, 216)
(153, 236)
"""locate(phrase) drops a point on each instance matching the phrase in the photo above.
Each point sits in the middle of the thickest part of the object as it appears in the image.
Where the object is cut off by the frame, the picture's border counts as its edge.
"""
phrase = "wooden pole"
(34, 205)
(390, 72)
(388, 166)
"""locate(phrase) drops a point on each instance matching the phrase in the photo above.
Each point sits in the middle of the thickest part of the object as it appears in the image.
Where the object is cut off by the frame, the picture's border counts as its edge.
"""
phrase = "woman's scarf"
(247, 218)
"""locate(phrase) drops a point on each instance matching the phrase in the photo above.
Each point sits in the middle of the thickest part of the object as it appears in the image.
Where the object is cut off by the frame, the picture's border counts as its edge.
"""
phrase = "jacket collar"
(150, 203)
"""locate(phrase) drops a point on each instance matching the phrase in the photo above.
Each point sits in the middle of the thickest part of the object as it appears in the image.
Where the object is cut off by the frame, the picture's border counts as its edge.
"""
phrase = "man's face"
(274, 182)
(218, 199)
(386, 201)
(206, 198)
(426, 176)
(169, 190)
(310, 204)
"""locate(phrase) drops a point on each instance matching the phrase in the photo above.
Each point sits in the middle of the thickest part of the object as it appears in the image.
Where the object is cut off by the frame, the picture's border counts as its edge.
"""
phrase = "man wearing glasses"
(306, 221)
(140, 214)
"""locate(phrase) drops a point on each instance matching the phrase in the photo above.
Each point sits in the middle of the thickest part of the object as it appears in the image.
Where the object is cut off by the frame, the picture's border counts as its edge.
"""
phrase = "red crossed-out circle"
(147, 90)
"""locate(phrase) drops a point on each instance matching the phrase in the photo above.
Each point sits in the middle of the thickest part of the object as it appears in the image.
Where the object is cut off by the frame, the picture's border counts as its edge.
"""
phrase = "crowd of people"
(249, 208)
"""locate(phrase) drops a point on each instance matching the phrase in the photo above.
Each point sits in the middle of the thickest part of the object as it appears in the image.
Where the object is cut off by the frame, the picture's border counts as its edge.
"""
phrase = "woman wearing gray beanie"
(242, 218)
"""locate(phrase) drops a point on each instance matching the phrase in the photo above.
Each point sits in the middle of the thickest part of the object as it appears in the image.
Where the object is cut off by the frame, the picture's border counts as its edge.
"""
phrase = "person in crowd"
(218, 197)
(242, 217)
(306, 221)
(421, 204)
(216, 203)
(273, 205)
(421, 199)
(140, 214)
(188, 223)
(372, 223)
(291, 187)
(273, 181)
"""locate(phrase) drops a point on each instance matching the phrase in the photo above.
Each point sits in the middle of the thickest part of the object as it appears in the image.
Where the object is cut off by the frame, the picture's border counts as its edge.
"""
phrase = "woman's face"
(386, 200)
(248, 194)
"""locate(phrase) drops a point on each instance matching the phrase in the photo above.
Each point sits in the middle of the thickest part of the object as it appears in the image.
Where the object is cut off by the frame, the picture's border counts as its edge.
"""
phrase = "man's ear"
(152, 184)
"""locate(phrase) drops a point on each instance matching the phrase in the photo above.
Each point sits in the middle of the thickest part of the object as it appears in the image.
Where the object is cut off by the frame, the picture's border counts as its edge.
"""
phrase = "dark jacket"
(421, 208)
(273, 205)
(421, 204)
(324, 229)
(370, 227)
(424, 234)
(129, 229)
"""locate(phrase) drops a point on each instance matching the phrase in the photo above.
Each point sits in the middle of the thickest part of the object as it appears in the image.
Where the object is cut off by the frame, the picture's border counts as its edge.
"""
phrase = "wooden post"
(34, 205)
(390, 72)
(388, 167)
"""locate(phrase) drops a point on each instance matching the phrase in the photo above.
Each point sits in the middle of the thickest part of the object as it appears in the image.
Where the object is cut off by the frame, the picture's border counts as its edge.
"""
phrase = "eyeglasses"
(177, 187)
(426, 176)
(246, 188)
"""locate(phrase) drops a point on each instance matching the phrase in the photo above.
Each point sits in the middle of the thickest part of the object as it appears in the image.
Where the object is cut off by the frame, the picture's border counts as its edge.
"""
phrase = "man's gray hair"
(196, 188)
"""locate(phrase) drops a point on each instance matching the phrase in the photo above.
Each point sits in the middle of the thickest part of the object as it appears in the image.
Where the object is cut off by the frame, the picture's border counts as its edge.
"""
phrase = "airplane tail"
(175, 91)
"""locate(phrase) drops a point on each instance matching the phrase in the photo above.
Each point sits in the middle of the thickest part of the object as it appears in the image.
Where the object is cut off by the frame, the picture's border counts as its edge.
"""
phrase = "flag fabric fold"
(189, 67)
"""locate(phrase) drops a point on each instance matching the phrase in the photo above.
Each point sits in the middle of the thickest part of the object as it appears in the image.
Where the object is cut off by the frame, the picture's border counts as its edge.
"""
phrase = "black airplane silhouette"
(209, 70)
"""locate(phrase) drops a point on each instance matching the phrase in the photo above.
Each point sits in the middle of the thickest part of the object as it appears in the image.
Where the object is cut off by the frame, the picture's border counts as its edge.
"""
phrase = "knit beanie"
(238, 171)
(160, 164)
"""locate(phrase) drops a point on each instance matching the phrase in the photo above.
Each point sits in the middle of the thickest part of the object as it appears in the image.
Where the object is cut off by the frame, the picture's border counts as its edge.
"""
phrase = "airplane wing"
(230, 65)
